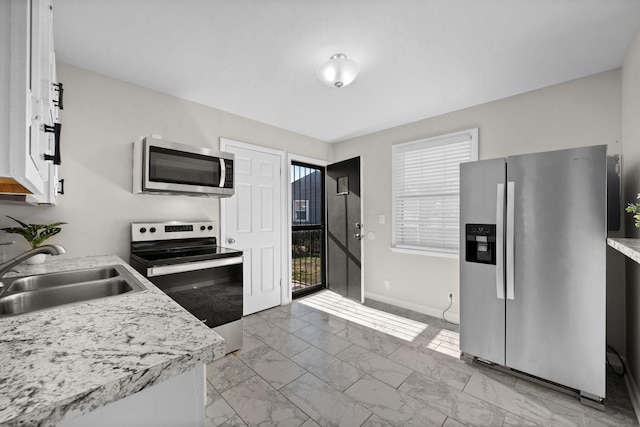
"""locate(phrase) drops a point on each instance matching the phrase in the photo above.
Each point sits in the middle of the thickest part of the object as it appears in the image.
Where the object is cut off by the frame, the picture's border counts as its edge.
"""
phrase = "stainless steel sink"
(31, 293)
(32, 283)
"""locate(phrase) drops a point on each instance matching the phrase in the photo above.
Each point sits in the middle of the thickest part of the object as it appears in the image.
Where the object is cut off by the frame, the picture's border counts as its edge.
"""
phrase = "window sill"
(425, 252)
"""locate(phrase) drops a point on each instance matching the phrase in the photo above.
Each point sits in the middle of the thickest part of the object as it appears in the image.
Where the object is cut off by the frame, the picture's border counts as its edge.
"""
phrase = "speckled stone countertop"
(629, 247)
(69, 360)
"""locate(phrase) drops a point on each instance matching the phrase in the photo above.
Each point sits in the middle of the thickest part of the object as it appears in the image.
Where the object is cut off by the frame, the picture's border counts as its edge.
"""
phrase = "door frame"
(227, 142)
(289, 218)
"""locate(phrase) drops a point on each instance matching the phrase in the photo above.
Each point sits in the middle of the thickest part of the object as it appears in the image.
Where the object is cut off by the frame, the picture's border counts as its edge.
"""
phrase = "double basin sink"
(31, 293)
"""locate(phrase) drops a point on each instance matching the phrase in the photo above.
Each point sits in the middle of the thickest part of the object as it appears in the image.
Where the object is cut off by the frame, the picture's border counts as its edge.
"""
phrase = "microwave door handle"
(223, 172)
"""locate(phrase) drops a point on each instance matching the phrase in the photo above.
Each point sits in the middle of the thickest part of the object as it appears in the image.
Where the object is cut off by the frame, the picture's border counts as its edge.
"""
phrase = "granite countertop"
(629, 247)
(69, 360)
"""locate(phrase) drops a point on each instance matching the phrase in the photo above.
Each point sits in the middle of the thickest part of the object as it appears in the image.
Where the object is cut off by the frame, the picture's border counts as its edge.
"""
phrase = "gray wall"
(102, 117)
(582, 112)
(631, 183)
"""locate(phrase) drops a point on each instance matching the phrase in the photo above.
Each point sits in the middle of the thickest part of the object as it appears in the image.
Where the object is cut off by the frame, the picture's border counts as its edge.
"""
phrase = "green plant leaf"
(35, 234)
(18, 221)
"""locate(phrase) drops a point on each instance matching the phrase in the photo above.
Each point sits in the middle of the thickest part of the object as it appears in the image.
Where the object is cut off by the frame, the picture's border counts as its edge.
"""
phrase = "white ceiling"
(418, 58)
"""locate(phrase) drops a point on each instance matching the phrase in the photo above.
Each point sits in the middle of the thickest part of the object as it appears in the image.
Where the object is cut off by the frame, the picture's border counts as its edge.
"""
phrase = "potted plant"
(634, 208)
(35, 234)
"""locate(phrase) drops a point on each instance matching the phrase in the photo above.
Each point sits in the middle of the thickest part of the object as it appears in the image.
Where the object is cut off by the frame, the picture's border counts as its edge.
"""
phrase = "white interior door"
(252, 221)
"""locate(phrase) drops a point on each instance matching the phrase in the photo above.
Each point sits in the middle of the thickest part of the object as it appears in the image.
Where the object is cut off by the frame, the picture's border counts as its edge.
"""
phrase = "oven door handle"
(164, 270)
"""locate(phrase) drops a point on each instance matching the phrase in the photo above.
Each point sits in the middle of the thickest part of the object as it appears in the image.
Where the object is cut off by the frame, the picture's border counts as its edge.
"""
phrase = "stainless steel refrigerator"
(532, 265)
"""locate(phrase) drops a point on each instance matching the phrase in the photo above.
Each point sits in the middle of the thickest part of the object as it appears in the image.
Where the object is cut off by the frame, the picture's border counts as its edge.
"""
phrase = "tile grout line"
(448, 343)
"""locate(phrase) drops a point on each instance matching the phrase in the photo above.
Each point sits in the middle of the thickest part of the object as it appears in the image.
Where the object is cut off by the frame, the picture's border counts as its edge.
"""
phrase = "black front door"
(344, 229)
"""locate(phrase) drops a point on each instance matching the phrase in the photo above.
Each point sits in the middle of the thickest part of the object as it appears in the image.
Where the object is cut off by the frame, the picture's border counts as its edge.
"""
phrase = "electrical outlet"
(387, 284)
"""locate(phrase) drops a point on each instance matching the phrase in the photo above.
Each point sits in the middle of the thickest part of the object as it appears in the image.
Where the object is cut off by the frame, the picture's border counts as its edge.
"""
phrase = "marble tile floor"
(327, 361)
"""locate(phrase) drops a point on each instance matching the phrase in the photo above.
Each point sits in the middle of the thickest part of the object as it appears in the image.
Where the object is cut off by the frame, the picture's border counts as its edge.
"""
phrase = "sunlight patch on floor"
(449, 343)
(336, 305)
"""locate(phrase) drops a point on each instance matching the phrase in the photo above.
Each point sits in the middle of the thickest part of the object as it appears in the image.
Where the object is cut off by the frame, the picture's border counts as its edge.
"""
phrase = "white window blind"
(426, 191)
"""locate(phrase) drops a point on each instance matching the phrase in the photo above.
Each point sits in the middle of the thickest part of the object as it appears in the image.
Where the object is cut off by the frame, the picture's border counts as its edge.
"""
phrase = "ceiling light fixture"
(338, 71)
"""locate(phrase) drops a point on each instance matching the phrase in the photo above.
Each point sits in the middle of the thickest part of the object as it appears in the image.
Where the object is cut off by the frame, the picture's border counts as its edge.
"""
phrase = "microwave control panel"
(228, 179)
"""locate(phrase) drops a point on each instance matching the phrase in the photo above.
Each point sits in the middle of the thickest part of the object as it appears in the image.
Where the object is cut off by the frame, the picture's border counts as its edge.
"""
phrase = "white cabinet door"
(252, 221)
(45, 96)
(28, 107)
(40, 141)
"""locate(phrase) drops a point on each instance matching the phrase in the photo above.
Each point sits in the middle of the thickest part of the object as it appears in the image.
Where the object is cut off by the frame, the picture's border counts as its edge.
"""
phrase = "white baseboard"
(435, 312)
(632, 388)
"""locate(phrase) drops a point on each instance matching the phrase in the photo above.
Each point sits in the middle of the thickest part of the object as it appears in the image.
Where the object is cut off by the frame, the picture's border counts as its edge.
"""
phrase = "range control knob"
(143, 230)
(152, 229)
(210, 227)
(202, 227)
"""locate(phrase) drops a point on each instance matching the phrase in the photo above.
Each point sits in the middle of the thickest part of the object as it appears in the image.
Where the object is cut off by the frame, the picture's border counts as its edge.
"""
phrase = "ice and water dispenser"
(481, 243)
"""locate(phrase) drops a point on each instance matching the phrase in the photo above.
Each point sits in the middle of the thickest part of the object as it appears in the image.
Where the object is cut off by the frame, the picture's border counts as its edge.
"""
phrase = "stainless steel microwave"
(165, 167)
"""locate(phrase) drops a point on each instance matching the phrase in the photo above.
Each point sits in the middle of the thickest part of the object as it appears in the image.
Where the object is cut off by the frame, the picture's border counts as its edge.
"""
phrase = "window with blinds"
(426, 191)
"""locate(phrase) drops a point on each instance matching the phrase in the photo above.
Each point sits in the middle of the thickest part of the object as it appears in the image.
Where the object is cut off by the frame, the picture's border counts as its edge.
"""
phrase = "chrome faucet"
(46, 249)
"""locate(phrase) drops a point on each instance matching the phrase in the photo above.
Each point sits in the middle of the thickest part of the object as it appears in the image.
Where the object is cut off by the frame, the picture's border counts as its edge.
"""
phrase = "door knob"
(231, 240)
(358, 226)
(357, 236)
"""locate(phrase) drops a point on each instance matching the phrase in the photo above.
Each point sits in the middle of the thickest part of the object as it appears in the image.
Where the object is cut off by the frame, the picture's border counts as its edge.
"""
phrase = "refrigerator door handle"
(500, 242)
(511, 190)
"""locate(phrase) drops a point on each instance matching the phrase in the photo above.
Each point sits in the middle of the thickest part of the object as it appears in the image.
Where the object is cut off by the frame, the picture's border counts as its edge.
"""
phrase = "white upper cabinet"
(28, 104)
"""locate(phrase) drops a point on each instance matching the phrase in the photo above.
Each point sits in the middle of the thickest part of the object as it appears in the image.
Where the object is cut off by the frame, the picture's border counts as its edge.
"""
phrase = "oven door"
(178, 168)
(210, 290)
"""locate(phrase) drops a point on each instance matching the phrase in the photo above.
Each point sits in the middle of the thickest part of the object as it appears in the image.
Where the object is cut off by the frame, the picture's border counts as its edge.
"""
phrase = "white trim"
(289, 218)
(224, 142)
(303, 159)
(285, 297)
(472, 133)
(632, 388)
(431, 311)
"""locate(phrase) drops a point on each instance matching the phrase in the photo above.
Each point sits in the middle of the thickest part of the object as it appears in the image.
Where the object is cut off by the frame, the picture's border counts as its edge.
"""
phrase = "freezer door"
(555, 259)
(482, 304)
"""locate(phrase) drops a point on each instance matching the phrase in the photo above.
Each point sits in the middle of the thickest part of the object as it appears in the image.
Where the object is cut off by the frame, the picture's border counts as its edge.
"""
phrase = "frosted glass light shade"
(338, 71)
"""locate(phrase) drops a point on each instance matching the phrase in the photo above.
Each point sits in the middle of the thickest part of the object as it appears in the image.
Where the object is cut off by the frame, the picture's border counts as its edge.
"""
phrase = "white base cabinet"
(178, 401)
